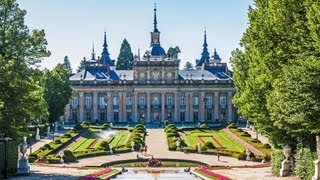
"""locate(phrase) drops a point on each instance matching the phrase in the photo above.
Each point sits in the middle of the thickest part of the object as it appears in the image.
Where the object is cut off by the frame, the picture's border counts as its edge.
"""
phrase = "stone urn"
(285, 165)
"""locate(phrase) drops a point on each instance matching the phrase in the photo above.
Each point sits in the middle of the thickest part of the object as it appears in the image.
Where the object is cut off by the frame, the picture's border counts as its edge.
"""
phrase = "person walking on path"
(218, 156)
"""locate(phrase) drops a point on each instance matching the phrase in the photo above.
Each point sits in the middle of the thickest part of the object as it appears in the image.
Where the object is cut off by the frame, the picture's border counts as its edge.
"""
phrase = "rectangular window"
(102, 103)
(129, 116)
(195, 116)
(88, 101)
(223, 102)
(196, 101)
(102, 116)
(182, 116)
(116, 116)
(115, 101)
(209, 101)
(141, 101)
(129, 101)
(74, 102)
(208, 115)
(182, 101)
(169, 101)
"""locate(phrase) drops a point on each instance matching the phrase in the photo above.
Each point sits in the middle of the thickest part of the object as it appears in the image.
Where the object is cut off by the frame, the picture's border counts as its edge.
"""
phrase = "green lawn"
(120, 139)
(191, 139)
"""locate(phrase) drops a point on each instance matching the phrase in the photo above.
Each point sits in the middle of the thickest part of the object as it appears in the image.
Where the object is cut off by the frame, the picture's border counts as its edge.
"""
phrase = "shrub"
(47, 146)
(105, 126)
(170, 126)
(32, 157)
(173, 135)
(266, 146)
(171, 131)
(67, 135)
(245, 134)
(57, 141)
(209, 145)
(85, 124)
(69, 156)
(238, 130)
(304, 163)
(104, 145)
(232, 126)
(204, 125)
(139, 126)
(277, 157)
(166, 122)
(255, 141)
(242, 156)
(77, 127)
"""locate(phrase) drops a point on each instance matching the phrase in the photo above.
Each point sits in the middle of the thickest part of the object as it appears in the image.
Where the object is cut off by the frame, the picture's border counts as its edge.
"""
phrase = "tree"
(279, 36)
(21, 52)
(173, 52)
(82, 65)
(125, 58)
(57, 91)
(188, 66)
(67, 64)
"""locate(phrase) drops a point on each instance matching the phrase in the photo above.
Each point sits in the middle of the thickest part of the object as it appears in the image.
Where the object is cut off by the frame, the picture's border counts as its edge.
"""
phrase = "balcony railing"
(102, 106)
(141, 106)
(209, 106)
(169, 106)
(88, 106)
(155, 106)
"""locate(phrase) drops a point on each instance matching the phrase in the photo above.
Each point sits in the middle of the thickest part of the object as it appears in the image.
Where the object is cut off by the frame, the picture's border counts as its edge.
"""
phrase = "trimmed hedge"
(69, 156)
(232, 126)
(204, 125)
(276, 157)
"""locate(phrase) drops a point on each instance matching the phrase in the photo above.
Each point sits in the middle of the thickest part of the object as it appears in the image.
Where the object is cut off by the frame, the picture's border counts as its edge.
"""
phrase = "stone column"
(81, 107)
(230, 118)
(135, 107)
(163, 106)
(202, 106)
(176, 107)
(95, 106)
(120, 108)
(124, 107)
(216, 105)
(148, 107)
(191, 107)
(109, 108)
(187, 101)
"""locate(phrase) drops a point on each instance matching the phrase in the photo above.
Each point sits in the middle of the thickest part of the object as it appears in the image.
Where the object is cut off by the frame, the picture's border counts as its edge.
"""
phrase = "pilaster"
(216, 106)
(148, 107)
(95, 106)
(163, 106)
(81, 107)
(229, 106)
(202, 106)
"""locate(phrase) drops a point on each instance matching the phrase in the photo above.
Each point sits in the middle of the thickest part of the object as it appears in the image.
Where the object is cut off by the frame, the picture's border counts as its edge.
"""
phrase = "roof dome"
(157, 50)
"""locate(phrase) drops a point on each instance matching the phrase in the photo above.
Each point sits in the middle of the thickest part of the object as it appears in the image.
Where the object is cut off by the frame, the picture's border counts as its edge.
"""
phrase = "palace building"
(154, 91)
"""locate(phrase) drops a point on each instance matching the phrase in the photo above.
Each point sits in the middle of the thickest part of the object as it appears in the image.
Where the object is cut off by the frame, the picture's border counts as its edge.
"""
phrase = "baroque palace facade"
(154, 91)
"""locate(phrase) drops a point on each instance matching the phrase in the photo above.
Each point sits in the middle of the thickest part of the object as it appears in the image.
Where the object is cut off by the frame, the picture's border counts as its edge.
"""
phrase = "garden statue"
(111, 124)
(23, 164)
(132, 146)
(154, 162)
(38, 135)
(199, 148)
(55, 126)
(48, 131)
(248, 152)
(61, 158)
(317, 162)
(285, 165)
(110, 147)
(62, 124)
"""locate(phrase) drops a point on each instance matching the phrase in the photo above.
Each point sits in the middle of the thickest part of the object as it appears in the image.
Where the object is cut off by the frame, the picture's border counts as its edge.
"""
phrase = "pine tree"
(188, 66)
(67, 64)
(82, 65)
(125, 58)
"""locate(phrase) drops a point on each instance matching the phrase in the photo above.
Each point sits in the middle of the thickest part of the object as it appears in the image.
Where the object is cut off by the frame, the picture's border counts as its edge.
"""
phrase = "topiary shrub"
(238, 130)
(242, 156)
(85, 124)
(67, 135)
(32, 157)
(204, 125)
(209, 145)
(171, 131)
(104, 145)
(232, 126)
(170, 126)
(57, 141)
(69, 156)
(245, 134)
(276, 159)
(266, 146)
(77, 127)
(105, 126)
(139, 126)
(166, 122)
(47, 146)
(173, 135)
(304, 163)
(255, 141)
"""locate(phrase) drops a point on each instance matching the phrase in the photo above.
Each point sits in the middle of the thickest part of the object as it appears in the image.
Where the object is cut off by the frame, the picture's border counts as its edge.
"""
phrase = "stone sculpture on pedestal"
(38, 135)
(285, 165)
(317, 162)
(48, 131)
(23, 163)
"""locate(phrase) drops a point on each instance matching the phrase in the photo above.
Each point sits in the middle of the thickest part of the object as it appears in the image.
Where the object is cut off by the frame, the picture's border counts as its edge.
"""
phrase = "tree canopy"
(57, 91)
(275, 70)
(21, 52)
(125, 58)
(188, 66)
(82, 65)
(173, 52)
(67, 64)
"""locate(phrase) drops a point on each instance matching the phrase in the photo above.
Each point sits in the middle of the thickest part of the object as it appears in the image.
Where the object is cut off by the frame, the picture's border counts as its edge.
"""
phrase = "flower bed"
(97, 174)
(211, 174)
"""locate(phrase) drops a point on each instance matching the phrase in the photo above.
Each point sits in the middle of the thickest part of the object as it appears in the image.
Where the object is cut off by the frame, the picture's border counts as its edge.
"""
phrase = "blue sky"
(72, 26)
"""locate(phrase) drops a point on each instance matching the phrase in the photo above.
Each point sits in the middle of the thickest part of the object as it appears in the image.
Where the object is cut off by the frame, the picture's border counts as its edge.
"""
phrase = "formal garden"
(86, 140)
(230, 141)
